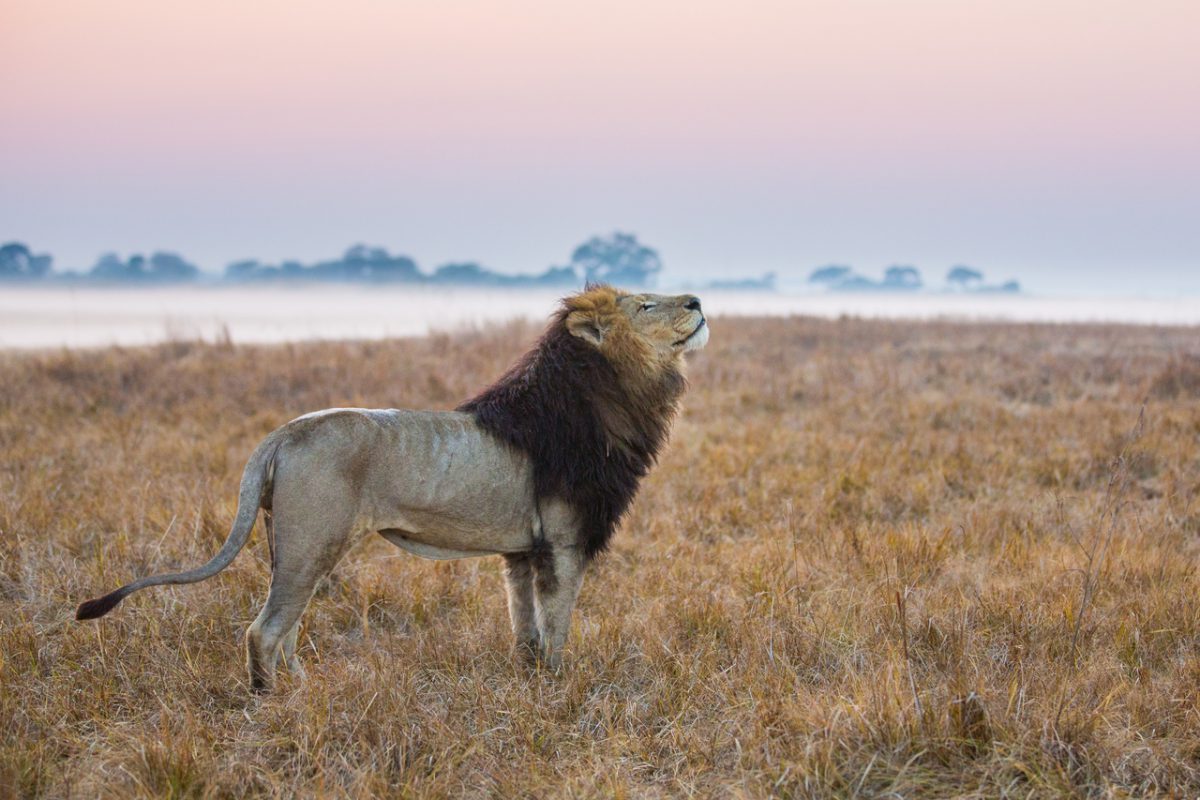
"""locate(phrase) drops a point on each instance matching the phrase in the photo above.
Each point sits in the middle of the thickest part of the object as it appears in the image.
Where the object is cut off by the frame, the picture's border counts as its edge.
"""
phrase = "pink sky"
(1046, 140)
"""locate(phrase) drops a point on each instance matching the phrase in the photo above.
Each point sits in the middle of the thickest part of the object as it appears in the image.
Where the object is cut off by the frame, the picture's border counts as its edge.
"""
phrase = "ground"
(924, 559)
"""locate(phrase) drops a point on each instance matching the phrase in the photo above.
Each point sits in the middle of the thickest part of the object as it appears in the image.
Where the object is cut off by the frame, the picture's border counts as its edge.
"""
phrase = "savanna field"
(878, 558)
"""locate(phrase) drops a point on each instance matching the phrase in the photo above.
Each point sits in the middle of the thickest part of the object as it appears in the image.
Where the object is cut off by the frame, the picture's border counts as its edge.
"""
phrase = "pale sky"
(1055, 142)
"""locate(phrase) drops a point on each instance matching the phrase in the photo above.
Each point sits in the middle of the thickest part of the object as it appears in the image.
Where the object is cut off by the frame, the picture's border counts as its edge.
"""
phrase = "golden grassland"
(928, 559)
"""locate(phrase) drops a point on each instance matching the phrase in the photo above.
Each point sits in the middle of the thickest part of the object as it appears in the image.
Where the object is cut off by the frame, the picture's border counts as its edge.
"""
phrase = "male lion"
(539, 468)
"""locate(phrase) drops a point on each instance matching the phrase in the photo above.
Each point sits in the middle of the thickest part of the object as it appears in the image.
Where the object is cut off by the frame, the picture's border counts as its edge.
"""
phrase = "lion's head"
(647, 331)
(593, 402)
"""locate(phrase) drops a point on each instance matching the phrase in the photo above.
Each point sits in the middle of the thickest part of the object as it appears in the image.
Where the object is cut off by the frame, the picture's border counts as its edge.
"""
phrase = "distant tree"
(14, 260)
(171, 267)
(557, 276)
(40, 265)
(244, 270)
(830, 275)
(857, 283)
(372, 263)
(18, 262)
(764, 283)
(395, 268)
(110, 267)
(964, 277)
(365, 254)
(467, 272)
(160, 267)
(902, 277)
(618, 259)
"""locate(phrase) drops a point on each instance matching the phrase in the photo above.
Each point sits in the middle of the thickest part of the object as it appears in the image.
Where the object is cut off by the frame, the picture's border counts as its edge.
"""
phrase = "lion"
(539, 468)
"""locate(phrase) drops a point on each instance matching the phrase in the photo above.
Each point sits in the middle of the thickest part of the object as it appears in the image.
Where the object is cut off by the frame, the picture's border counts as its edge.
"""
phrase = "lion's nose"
(693, 304)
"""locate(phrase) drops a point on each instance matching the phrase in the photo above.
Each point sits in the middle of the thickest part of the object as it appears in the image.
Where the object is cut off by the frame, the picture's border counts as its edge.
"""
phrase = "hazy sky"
(1052, 141)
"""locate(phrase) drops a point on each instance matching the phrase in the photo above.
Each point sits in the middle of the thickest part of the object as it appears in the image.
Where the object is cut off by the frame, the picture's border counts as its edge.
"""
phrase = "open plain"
(914, 559)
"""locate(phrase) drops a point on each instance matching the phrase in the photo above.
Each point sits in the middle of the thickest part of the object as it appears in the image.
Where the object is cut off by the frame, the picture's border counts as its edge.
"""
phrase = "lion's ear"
(586, 327)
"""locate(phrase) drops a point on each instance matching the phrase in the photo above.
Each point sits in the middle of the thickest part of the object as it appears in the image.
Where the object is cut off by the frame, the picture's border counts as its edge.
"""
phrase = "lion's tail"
(255, 490)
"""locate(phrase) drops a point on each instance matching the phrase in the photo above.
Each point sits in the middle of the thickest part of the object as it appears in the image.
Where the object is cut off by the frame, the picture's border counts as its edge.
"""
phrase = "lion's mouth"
(687, 338)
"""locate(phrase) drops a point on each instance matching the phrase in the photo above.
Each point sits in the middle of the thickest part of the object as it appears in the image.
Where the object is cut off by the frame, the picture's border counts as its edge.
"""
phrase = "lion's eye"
(648, 306)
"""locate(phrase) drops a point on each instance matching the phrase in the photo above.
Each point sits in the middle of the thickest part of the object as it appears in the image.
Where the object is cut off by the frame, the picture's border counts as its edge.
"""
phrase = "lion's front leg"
(518, 581)
(558, 574)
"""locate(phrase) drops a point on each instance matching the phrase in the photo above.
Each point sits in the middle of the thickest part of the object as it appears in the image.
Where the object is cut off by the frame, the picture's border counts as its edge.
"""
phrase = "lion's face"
(671, 323)
(642, 329)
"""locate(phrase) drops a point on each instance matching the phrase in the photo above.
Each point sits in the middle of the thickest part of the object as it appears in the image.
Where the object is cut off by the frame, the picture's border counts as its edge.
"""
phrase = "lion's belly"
(424, 531)
(404, 540)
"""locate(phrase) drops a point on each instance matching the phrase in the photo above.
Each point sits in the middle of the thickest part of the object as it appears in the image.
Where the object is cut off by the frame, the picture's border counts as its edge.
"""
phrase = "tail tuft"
(91, 609)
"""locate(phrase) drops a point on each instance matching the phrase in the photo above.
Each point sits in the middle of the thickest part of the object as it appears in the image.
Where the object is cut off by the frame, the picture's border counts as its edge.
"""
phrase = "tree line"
(618, 258)
(904, 278)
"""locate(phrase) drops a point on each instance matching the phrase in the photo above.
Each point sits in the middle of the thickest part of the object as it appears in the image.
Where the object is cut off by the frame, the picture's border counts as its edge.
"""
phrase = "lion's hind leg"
(266, 636)
(306, 550)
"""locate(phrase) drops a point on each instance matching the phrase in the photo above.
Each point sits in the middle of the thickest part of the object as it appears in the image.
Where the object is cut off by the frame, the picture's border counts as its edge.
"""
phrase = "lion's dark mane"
(590, 436)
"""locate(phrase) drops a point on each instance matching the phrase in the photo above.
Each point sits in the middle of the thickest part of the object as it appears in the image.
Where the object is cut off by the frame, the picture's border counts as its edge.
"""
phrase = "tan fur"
(435, 484)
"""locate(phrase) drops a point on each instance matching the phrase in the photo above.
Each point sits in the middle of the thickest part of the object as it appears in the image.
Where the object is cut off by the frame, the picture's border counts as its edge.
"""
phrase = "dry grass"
(837, 495)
